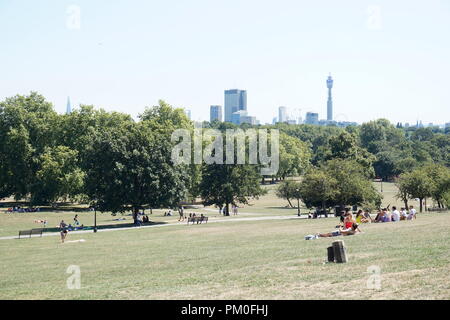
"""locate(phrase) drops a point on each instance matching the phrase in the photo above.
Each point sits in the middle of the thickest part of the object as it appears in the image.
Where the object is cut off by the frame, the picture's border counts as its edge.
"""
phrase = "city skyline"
(389, 63)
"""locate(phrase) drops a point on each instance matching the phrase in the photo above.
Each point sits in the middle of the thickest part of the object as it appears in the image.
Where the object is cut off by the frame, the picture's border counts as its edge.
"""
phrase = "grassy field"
(267, 259)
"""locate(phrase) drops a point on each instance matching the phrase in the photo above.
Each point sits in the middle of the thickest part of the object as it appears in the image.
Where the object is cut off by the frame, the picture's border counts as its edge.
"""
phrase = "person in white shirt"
(403, 214)
(412, 213)
(395, 215)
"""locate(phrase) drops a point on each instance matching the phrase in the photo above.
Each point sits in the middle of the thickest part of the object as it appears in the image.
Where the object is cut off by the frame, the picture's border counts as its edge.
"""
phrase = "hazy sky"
(389, 59)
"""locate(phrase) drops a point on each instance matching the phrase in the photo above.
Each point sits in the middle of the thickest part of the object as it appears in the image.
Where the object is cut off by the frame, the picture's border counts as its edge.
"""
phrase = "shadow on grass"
(106, 226)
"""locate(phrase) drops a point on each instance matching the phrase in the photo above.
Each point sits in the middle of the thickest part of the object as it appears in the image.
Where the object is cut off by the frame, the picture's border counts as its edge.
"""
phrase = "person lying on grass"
(341, 232)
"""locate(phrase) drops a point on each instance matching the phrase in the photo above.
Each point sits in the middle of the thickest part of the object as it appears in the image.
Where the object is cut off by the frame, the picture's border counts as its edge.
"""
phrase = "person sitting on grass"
(395, 216)
(412, 213)
(403, 214)
(360, 217)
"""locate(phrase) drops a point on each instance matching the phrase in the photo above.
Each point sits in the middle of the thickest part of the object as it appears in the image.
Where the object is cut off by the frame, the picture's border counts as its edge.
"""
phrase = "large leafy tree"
(339, 182)
(27, 127)
(294, 157)
(58, 177)
(224, 184)
(130, 167)
(165, 119)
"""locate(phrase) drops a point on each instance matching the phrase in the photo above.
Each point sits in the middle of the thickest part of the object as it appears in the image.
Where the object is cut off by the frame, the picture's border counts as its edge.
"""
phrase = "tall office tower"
(330, 99)
(215, 113)
(312, 118)
(282, 114)
(235, 100)
(68, 107)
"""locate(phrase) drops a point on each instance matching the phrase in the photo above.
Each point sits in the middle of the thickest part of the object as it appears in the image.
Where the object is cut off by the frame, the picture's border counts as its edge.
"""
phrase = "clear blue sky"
(388, 58)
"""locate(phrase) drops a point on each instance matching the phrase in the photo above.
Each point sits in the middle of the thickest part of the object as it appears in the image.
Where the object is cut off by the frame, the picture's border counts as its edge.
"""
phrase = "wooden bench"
(31, 232)
(197, 219)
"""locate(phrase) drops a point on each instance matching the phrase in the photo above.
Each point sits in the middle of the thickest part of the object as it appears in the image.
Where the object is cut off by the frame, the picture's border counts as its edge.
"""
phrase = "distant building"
(330, 99)
(235, 100)
(215, 113)
(274, 120)
(69, 106)
(237, 116)
(188, 114)
(312, 118)
(291, 121)
(447, 125)
(282, 116)
(248, 119)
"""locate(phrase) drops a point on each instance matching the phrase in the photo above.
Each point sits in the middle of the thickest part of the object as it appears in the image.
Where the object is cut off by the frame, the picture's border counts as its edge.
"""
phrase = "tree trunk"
(227, 209)
(290, 204)
(135, 212)
(421, 204)
(406, 204)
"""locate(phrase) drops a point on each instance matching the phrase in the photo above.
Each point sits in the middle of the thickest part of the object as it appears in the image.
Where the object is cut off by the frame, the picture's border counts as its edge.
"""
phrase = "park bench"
(197, 219)
(31, 232)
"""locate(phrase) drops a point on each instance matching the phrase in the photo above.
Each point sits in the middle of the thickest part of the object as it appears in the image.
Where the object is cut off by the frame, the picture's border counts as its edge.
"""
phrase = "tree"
(294, 156)
(58, 176)
(165, 119)
(416, 184)
(339, 182)
(318, 189)
(344, 146)
(224, 184)
(287, 190)
(27, 127)
(131, 167)
(440, 176)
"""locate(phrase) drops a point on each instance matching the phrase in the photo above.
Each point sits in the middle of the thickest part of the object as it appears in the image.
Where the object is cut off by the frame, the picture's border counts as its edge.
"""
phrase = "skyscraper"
(282, 114)
(312, 118)
(330, 99)
(215, 113)
(235, 100)
(68, 107)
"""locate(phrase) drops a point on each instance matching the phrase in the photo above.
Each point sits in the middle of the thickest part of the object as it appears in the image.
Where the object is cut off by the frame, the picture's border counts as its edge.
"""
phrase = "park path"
(169, 224)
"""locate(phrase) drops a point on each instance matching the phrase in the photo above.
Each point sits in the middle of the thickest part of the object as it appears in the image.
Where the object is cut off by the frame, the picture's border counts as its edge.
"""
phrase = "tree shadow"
(106, 226)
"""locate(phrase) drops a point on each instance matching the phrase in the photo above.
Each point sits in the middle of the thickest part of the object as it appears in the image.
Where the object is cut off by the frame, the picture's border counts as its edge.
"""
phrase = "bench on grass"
(31, 232)
(197, 219)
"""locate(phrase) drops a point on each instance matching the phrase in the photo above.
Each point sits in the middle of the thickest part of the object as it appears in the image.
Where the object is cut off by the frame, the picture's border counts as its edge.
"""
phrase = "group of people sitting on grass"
(350, 225)
(21, 209)
(141, 218)
(384, 215)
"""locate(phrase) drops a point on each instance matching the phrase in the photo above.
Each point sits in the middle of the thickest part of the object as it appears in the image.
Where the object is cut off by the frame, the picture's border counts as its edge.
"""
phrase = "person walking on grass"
(75, 220)
(63, 228)
(181, 213)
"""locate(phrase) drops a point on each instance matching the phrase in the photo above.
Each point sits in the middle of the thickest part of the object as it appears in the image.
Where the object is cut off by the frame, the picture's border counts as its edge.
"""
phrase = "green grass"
(235, 260)
(227, 260)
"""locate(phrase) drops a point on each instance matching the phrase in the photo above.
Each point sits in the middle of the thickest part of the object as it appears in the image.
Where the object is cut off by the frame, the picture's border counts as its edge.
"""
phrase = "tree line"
(116, 163)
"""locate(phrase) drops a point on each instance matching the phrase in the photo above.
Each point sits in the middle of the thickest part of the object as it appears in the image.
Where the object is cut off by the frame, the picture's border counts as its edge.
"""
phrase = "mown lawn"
(233, 260)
